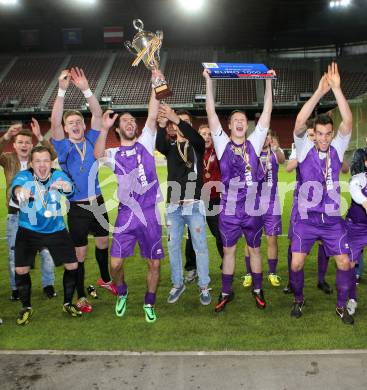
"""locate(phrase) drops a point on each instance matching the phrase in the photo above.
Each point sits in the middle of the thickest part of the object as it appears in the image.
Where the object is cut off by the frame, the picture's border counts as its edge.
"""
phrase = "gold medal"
(241, 151)
(43, 196)
(81, 154)
(207, 165)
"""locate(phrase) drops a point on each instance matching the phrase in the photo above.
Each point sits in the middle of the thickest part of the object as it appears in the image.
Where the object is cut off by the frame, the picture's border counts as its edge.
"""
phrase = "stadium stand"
(184, 73)
(28, 79)
(127, 85)
(31, 76)
(4, 61)
(293, 78)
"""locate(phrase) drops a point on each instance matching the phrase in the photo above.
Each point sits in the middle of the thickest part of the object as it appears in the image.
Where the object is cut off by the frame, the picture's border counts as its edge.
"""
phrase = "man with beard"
(76, 158)
(38, 191)
(318, 212)
(13, 162)
(138, 193)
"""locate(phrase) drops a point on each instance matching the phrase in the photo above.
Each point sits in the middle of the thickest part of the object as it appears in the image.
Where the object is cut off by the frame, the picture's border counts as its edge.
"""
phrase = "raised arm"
(186, 129)
(309, 106)
(213, 120)
(79, 79)
(108, 119)
(333, 79)
(36, 130)
(161, 142)
(10, 133)
(153, 106)
(57, 131)
(265, 116)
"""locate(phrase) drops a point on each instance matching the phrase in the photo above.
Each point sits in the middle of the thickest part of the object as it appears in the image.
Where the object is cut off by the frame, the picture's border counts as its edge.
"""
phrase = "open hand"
(36, 130)
(333, 76)
(324, 86)
(78, 79)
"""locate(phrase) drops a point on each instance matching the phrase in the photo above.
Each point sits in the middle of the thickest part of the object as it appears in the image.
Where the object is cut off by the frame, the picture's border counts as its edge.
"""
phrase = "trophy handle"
(129, 47)
(138, 24)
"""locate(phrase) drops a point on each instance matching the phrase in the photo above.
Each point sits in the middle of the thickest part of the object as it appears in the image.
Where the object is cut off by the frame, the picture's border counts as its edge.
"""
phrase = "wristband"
(61, 92)
(87, 93)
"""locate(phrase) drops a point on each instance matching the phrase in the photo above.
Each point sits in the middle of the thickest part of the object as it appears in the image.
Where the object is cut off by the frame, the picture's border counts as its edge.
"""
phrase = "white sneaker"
(205, 297)
(352, 306)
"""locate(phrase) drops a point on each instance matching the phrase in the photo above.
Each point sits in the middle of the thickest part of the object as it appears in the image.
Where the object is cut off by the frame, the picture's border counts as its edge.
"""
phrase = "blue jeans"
(193, 216)
(47, 264)
(360, 265)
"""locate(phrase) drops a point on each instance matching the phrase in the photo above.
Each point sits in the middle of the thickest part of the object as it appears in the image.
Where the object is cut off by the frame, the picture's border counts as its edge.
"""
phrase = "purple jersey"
(268, 185)
(240, 182)
(319, 190)
(134, 167)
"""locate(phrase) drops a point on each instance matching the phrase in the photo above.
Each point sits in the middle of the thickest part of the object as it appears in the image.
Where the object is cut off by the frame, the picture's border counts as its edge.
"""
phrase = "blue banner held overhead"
(222, 70)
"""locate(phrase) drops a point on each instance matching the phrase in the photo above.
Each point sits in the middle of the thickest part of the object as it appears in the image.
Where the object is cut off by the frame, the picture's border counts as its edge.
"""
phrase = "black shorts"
(82, 221)
(28, 243)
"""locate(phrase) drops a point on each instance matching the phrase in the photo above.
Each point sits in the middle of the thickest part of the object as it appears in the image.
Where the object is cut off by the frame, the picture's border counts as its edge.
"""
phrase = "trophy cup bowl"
(146, 46)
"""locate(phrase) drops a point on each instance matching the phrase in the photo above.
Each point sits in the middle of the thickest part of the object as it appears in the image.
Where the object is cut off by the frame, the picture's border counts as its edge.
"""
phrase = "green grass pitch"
(186, 325)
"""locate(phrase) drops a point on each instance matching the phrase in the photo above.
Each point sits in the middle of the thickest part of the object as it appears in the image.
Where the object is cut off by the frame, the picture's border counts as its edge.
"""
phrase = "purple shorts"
(332, 232)
(232, 227)
(272, 224)
(357, 238)
(129, 229)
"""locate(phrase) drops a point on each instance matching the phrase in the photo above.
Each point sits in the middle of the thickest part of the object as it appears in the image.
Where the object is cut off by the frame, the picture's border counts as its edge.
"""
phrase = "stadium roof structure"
(268, 24)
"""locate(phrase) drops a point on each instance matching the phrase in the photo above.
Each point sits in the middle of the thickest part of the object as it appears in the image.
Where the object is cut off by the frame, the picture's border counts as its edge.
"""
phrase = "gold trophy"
(146, 46)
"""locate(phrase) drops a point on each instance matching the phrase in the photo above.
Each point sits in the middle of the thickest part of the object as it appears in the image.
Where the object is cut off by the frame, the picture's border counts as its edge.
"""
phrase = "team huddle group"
(228, 182)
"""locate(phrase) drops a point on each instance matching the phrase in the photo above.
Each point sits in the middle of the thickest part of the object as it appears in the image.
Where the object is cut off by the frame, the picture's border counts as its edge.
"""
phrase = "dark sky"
(229, 23)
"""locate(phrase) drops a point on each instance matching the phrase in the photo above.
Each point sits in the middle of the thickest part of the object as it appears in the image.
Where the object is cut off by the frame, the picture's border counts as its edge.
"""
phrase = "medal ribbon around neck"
(328, 162)
(267, 161)
(184, 154)
(83, 151)
(242, 152)
(44, 200)
(207, 165)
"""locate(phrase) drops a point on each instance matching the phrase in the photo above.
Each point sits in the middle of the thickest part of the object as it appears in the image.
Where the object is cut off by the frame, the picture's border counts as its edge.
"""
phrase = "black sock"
(24, 286)
(80, 280)
(69, 282)
(102, 260)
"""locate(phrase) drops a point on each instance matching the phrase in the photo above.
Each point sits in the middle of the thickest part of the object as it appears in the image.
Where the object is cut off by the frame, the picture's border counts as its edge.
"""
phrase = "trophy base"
(163, 91)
